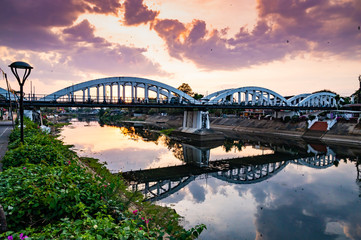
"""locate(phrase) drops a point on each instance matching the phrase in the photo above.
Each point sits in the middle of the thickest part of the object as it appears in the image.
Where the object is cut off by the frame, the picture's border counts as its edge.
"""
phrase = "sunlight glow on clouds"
(187, 41)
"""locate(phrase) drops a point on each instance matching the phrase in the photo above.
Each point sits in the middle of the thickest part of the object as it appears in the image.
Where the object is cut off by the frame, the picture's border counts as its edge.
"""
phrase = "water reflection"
(250, 187)
(157, 184)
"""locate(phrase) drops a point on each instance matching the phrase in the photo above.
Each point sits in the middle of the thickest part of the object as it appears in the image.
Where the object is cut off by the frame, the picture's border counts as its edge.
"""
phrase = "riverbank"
(48, 193)
(340, 133)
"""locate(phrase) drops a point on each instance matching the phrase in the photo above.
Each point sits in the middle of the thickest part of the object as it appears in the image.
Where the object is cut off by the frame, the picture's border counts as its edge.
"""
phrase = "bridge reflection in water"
(157, 184)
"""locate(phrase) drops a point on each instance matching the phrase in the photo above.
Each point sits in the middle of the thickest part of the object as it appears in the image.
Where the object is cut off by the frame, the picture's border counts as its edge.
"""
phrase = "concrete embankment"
(340, 133)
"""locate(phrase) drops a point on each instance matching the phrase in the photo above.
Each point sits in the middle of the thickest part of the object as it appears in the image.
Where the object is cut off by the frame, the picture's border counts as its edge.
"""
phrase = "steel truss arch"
(6, 94)
(318, 161)
(148, 85)
(251, 174)
(248, 96)
(320, 99)
(293, 101)
(155, 191)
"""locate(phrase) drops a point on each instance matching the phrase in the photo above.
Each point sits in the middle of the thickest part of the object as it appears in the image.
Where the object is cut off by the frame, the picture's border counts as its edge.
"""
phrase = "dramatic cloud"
(137, 13)
(84, 33)
(115, 60)
(283, 28)
(29, 25)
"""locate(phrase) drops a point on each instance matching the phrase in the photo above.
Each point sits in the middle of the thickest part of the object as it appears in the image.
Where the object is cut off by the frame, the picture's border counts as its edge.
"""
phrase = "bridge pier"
(196, 128)
(196, 155)
(195, 120)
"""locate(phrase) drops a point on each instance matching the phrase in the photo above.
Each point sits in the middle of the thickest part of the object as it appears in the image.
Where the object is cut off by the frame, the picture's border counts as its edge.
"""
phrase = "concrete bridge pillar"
(118, 91)
(111, 93)
(97, 93)
(196, 120)
(157, 94)
(104, 93)
(123, 92)
(146, 93)
(132, 86)
(195, 155)
(169, 96)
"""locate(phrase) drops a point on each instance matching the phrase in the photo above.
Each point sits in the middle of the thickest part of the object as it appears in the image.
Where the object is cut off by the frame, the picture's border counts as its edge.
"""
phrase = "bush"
(36, 154)
(36, 195)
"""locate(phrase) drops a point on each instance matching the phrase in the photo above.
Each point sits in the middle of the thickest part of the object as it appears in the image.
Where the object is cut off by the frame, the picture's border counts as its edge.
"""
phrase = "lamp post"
(27, 69)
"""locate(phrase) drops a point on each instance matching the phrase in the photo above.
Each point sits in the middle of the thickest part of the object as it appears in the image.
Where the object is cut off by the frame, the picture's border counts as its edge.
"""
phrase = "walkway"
(5, 130)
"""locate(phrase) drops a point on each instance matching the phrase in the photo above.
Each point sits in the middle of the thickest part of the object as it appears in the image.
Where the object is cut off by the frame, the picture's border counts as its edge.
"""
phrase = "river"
(249, 187)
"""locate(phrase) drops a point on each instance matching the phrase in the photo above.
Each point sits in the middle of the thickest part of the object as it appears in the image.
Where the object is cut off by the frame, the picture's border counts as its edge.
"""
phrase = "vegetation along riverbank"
(48, 192)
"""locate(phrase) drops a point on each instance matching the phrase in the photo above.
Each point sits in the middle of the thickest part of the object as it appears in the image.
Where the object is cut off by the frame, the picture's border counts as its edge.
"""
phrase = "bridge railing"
(249, 103)
(107, 99)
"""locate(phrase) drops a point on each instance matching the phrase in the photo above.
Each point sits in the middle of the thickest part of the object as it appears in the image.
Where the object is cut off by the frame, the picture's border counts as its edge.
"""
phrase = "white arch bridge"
(119, 91)
(130, 92)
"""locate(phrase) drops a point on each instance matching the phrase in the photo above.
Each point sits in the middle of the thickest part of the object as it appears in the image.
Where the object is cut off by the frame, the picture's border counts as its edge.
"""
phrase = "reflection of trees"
(174, 146)
(143, 134)
(358, 180)
(230, 144)
(147, 135)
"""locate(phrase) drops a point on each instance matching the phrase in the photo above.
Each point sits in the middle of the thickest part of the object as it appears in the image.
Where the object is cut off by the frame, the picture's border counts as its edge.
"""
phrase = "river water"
(248, 187)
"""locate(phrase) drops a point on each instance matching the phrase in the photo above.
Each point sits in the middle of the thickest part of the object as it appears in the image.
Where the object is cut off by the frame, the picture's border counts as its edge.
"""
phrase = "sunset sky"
(288, 46)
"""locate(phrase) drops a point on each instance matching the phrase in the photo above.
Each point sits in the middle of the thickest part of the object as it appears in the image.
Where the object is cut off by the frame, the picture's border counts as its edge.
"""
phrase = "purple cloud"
(283, 28)
(114, 60)
(171, 31)
(137, 13)
(84, 33)
(99, 55)
(27, 25)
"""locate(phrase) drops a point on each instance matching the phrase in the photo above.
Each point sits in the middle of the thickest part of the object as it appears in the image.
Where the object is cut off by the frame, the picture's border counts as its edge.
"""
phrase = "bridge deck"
(176, 172)
(27, 104)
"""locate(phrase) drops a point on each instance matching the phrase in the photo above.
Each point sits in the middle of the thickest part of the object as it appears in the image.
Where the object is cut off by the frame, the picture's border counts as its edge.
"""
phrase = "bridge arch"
(155, 191)
(318, 161)
(127, 91)
(215, 94)
(5, 94)
(251, 174)
(248, 96)
(320, 99)
(293, 101)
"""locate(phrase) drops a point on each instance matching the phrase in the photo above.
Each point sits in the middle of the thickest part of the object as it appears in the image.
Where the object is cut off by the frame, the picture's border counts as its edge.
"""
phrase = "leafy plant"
(36, 154)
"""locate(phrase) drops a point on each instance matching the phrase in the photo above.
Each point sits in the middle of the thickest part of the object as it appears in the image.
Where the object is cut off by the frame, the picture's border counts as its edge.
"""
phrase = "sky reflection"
(298, 202)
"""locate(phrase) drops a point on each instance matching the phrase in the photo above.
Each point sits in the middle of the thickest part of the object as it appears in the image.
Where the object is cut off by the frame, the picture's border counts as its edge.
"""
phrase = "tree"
(197, 96)
(186, 89)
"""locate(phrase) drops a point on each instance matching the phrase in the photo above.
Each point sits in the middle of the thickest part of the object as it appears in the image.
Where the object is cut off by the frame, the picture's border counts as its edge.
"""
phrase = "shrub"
(36, 195)
(36, 154)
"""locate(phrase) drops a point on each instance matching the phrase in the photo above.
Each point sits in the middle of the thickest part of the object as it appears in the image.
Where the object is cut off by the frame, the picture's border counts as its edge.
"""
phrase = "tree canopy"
(186, 89)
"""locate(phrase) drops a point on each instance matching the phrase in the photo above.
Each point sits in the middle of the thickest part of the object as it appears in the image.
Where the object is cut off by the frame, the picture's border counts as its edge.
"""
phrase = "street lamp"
(27, 69)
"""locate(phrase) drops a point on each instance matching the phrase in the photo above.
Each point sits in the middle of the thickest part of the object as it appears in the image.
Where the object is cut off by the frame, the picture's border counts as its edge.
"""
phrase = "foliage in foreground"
(47, 194)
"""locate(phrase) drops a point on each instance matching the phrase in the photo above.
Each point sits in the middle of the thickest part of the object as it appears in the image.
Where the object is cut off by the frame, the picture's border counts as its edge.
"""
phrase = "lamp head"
(21, 65)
